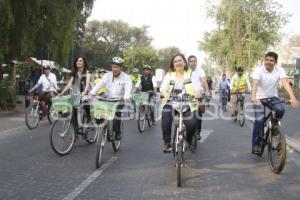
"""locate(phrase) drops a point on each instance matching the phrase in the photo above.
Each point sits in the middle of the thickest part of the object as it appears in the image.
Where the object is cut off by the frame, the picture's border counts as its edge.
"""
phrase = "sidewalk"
(14, 118)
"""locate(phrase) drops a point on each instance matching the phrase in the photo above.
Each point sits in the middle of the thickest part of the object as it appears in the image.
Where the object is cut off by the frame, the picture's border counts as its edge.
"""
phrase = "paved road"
(222, 168)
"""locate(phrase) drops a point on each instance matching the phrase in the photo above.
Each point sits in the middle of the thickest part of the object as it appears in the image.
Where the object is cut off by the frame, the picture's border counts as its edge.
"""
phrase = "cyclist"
(264, 86)
(135, 76)
(239, 83)
(178, 77)
(49, 86)
(117, 84)
(223, 88)
(80, 83)
(147, 83)
(198, 75)
(101, 73)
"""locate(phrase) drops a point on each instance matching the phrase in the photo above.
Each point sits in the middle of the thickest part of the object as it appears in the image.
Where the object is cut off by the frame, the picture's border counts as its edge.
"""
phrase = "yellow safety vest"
(101, 90)
(188, 86)
(239, 83)
(135, 79)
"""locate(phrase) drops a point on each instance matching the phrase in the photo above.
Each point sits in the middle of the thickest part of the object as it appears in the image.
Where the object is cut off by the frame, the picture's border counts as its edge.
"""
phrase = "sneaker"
(167, 148)
(256, 150)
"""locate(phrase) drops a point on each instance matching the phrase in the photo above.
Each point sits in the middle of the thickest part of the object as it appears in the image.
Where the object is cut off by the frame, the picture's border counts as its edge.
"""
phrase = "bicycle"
(239, 114)
(180, 104)
(224, 99)
(141, 100)
(272, 135)
(104, 110)
(36, 111)
(63, 134)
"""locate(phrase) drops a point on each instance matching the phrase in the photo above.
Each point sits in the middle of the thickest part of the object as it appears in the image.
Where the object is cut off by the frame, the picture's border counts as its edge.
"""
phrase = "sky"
(180, 23)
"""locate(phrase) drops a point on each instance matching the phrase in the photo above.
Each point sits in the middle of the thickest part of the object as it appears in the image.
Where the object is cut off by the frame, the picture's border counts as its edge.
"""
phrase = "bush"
(7, 96)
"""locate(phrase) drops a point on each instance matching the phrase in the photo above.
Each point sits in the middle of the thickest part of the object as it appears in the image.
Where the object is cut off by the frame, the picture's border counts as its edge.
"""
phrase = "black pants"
(189, 120)
(199, 121)
(117, 119)
(75, 115)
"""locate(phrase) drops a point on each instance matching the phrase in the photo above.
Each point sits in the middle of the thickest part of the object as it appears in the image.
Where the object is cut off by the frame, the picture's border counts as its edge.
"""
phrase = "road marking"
(72, 195)
(205, 134)
(293, 143)
(12, 129)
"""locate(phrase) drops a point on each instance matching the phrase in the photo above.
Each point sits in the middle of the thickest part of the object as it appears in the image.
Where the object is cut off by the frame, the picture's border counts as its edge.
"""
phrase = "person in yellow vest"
(239, 83)
(101, 73)
(178, 77)
(135, 76)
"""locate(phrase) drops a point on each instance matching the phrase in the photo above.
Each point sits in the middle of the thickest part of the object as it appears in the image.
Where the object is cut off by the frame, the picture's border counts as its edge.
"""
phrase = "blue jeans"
(259, 116)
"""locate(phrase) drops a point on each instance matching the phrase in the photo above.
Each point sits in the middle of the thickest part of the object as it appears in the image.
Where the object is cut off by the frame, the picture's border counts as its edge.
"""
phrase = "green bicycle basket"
(141, 98)
(63, 104)
(104, 109)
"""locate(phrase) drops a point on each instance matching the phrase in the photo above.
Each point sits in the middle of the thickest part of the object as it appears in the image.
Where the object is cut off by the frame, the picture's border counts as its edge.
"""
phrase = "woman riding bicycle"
(80, 84)
(178, 77)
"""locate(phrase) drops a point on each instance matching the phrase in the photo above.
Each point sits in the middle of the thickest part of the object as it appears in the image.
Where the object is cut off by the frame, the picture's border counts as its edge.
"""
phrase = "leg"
(166, 123)
(233, 104)
(258, 124)
(190, 122)
(117, 121)
(277, 107)
(199, 124)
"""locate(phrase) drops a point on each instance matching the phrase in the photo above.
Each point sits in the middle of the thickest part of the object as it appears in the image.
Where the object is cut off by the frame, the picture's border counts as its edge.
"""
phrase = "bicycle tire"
(278, 146)
(241, 115)
(90, 132)
(50, 115)
(148, 114)
(262, 142)
(141, 118)
(68, 129)
(101, 133)
(179, 163)
(29, 111)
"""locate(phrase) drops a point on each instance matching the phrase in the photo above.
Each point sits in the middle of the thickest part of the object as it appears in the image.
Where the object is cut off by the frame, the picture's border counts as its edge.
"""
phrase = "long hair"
(75, 69)
(172, 68)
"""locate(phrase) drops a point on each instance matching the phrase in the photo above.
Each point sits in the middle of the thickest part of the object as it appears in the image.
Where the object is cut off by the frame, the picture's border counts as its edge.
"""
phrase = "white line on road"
(72, 195)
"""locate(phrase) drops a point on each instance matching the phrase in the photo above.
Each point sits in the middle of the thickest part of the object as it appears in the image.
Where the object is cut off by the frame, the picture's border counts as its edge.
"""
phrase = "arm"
(248, 84)
(204, 83)
(254, 90)
(138, 84)
(67, 87)
(164, 86)
(36, 85)
(99, 84)
(154, 82)
(128, 88)
(288, 88)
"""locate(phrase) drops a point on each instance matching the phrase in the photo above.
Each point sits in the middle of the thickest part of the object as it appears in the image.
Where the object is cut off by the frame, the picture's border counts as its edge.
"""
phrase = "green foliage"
(165, 56)
(229, 44)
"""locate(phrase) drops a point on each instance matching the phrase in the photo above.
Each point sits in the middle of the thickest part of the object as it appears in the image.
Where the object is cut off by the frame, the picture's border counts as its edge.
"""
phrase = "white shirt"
(197, 75)
(268, 81)
(45, 82)
(154, 82)
(167, 79)
(116, 87)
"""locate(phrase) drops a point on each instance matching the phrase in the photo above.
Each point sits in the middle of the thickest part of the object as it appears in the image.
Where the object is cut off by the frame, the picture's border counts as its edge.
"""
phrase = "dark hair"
(75, 70)
(172, 68)
(224, 75)
(191, 56)
(272, 54)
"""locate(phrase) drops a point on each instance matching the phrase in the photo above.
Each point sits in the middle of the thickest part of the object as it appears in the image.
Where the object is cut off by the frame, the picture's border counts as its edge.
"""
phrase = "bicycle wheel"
(277, 149)
(262, 141)
(62, 137)
(179, 163)
(141, 119)
(101, 137)
(241, 117)
(32, 115)
(50, 115)
(117, 143)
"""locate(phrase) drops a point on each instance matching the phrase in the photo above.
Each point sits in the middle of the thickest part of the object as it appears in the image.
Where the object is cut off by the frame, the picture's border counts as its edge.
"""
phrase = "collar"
(267, 72)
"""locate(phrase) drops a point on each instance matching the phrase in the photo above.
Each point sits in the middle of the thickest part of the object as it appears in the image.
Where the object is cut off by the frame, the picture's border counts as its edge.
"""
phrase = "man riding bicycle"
(265, 86)
(135, 76)
(118, 85)
(147, 83)
(49, 83)
(223, 88)
(239, 84)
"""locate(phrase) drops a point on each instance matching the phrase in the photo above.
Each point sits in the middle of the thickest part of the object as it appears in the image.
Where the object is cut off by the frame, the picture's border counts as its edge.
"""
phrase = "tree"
(244, 26)
(103, 40)
(165, 56)
(294, 41)
(137, 56)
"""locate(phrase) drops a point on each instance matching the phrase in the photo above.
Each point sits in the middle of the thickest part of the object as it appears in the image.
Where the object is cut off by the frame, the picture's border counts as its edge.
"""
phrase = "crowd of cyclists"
(182, 74)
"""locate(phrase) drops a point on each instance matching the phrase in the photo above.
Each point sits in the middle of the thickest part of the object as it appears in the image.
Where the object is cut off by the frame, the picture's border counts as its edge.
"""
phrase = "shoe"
(256, 150)
(79, 131)
(198, 135)
(167, 148)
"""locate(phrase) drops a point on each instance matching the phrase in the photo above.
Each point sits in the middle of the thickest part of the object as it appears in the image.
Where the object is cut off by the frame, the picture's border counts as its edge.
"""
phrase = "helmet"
(239, 69)
(146, 67)
(135, 70)
(117, 61)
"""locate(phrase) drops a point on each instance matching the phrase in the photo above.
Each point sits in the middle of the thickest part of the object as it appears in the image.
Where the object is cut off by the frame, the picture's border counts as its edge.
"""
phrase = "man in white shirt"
(265, 86)
(198, 75)
(118, 85)
(147, 83)
(49, 83)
